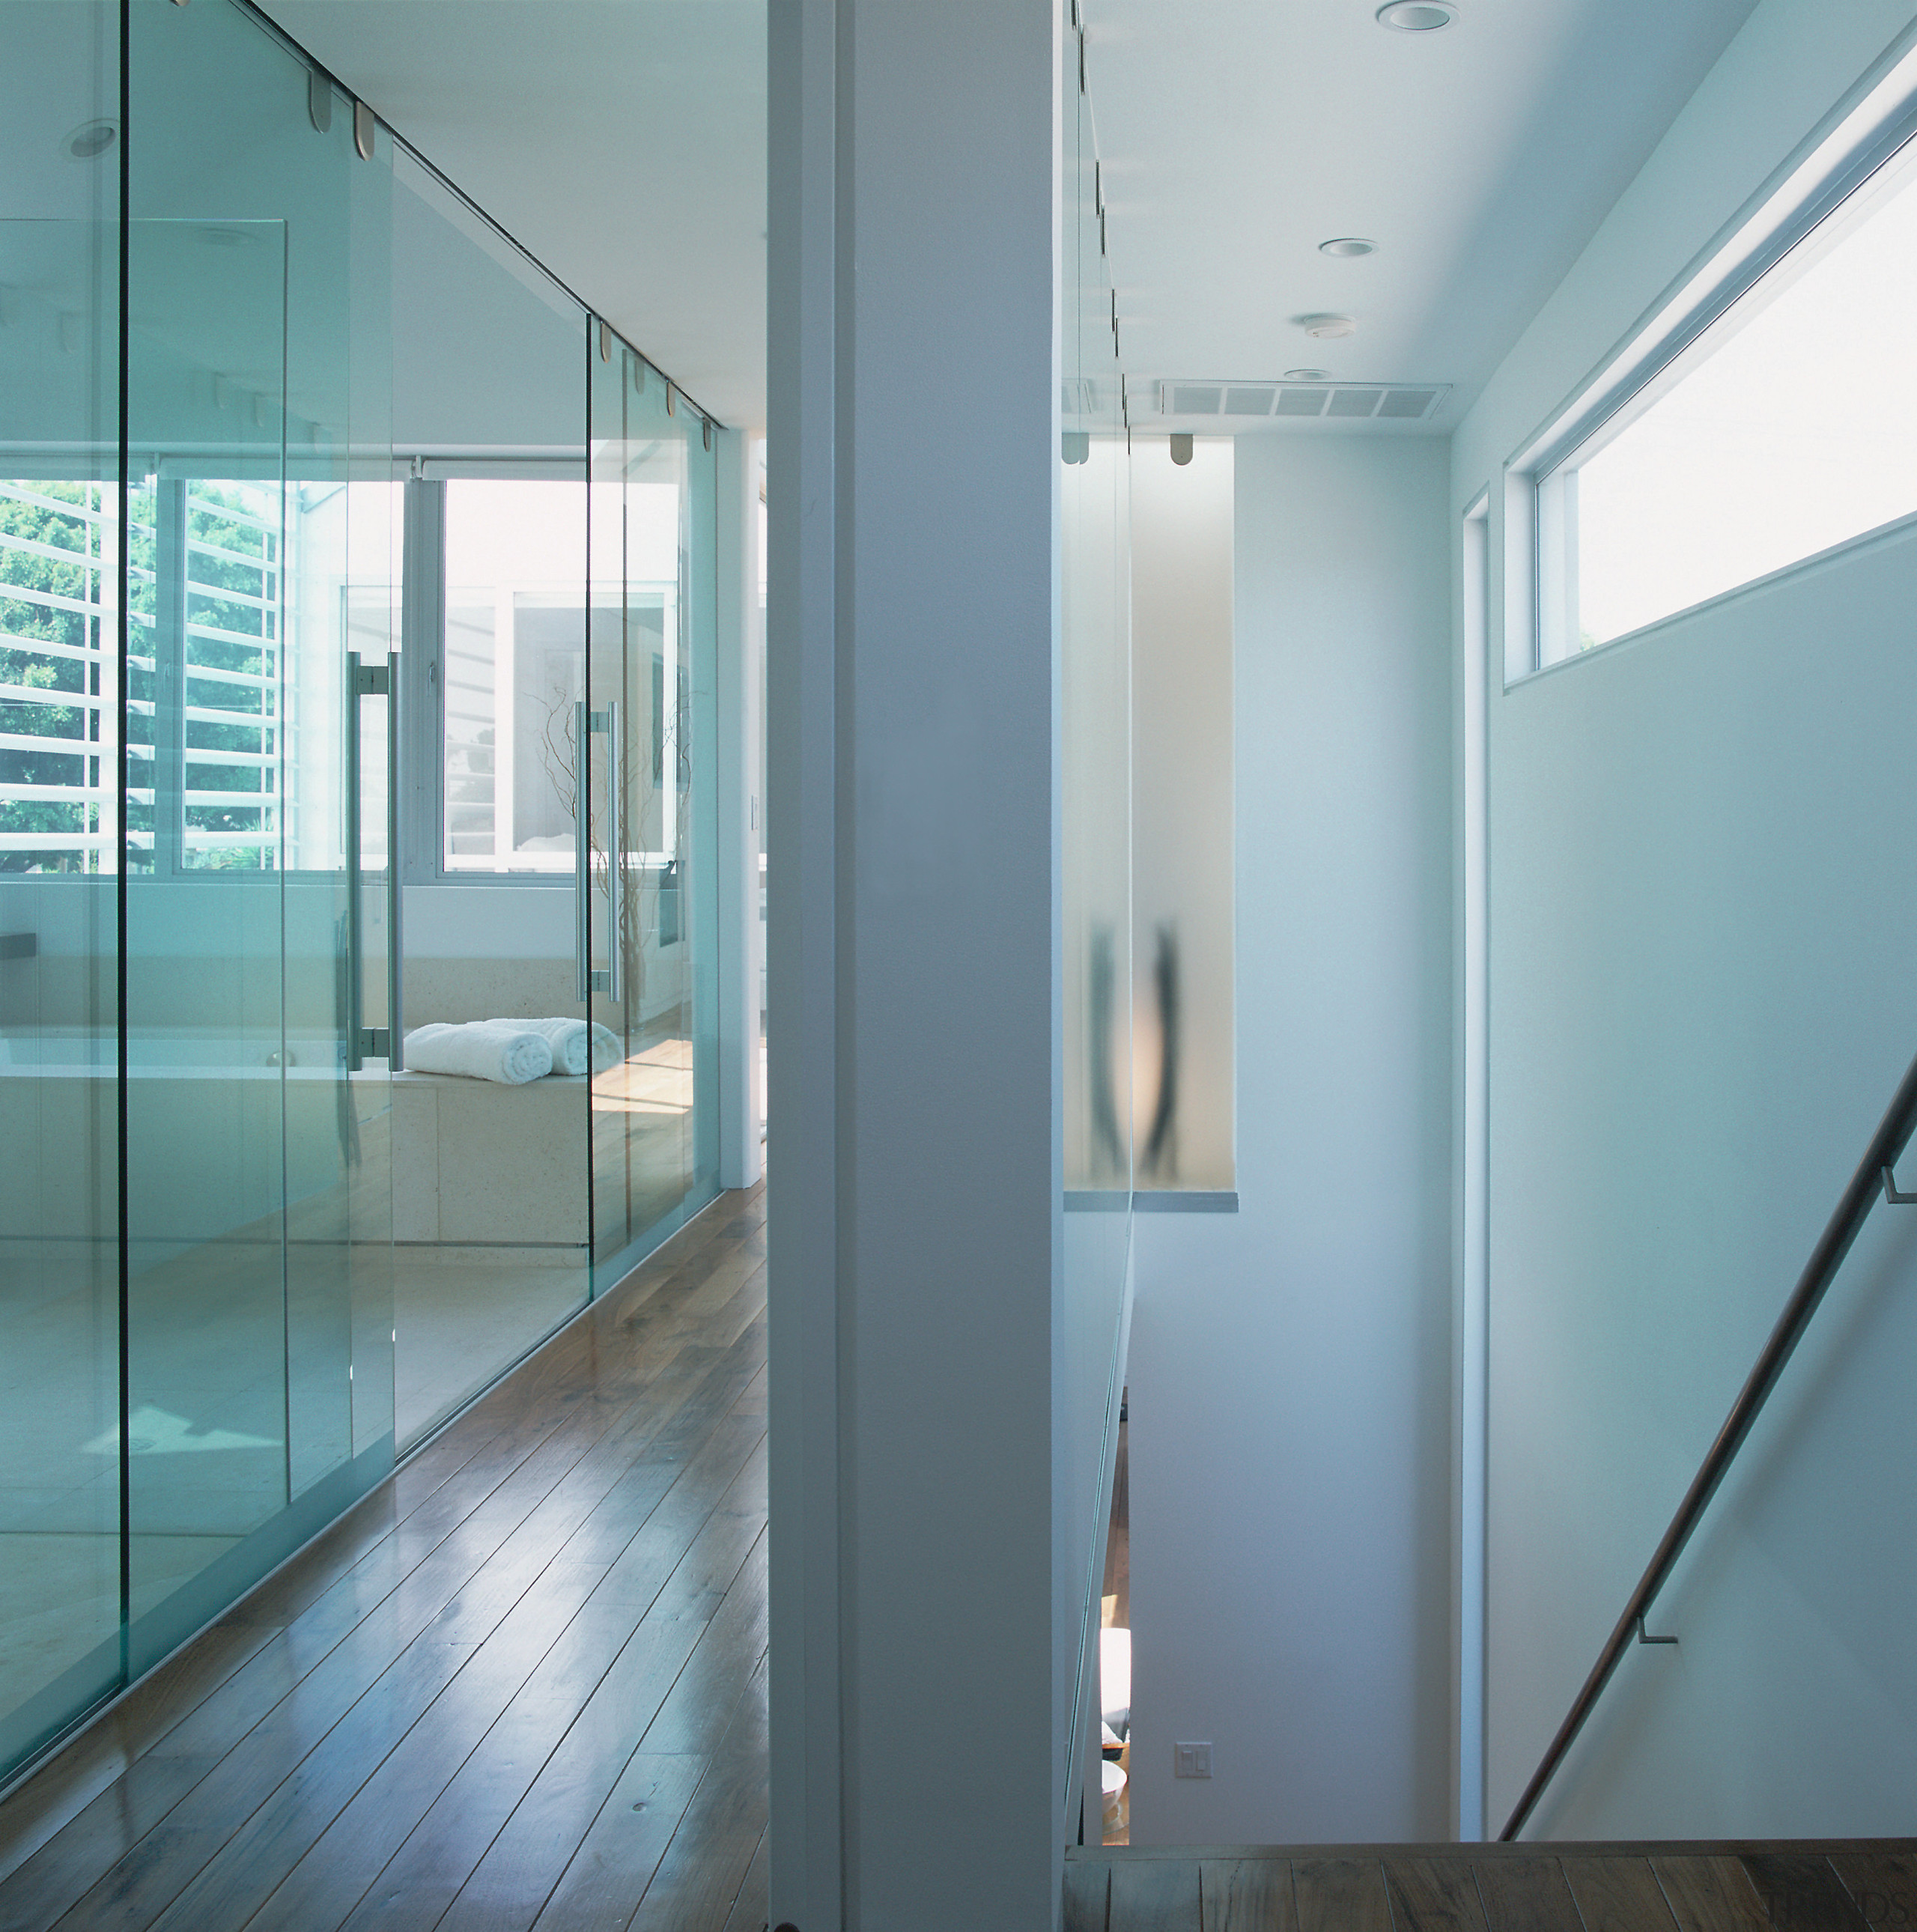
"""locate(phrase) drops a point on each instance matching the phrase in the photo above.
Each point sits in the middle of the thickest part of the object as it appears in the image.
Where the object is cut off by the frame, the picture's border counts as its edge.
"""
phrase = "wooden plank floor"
(521, 1684)
(1651, 1887)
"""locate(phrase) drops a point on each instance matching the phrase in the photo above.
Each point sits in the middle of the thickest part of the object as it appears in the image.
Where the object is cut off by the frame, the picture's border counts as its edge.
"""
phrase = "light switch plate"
(1192, 1760)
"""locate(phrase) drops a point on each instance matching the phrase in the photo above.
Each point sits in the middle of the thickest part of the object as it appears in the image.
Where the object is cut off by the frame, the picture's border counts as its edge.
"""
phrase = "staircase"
(1841, 1886)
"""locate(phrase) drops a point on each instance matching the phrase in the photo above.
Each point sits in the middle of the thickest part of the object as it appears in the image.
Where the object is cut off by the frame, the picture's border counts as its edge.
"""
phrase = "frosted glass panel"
(1182, 824)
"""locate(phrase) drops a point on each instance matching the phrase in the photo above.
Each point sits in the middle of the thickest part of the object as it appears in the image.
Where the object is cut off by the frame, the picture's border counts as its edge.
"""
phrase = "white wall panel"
(1700, 1002)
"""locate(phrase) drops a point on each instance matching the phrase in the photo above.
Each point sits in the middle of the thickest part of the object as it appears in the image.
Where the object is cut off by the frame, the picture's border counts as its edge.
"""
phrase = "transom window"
(1771, 422)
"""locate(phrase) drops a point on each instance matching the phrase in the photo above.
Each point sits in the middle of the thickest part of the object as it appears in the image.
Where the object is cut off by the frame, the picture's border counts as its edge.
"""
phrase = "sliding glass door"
(651, 743)
(258, 1187)
(60, 1512)
(356, 678)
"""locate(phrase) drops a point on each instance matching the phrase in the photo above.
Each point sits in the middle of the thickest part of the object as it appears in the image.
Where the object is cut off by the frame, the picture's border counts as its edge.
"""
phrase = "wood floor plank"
(1525, 1895)
(1247, 1895)
(511, 1884)
(1155, 1895)
(236, 1883)
(1341, 1895)
(601, 1887)
(1802, 1893)
(1710, 1895)
(1882, 1885)
(437, 1756)
(1433, 1895)
(1617, 1894)
(700, 1878)
(751, 1911)
(556, 1735)
(478, 1598)
(66, 1786)
(1087, 1895)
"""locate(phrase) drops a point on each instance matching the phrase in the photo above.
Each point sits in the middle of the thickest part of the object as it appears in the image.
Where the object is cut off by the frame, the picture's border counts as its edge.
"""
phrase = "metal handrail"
(1873, 1177)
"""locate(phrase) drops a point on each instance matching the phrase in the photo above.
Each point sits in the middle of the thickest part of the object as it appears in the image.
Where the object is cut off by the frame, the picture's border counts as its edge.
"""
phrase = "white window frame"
(1874, 122)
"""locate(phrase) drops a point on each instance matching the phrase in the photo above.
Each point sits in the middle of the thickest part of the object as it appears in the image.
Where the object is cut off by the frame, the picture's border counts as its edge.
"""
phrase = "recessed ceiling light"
(1417, 16)
(1343, 245)
(1307, 376)
(89, 142)
(1327, 327)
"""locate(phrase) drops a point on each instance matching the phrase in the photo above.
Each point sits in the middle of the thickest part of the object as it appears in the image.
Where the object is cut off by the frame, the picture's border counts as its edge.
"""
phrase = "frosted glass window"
(1789, 428)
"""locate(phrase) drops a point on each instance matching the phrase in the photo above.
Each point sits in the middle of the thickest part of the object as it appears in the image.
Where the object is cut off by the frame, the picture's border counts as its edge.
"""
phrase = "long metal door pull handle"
(582, 878)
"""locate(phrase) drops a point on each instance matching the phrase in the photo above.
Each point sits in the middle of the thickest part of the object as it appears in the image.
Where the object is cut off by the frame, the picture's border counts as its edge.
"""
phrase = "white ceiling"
(1236, 135)
(621, 141)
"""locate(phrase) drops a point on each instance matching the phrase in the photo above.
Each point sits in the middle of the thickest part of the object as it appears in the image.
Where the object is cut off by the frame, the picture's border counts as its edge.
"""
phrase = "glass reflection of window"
(206, 741)
(513, 668)
(58, 731)
(231, 792)
(513, 664)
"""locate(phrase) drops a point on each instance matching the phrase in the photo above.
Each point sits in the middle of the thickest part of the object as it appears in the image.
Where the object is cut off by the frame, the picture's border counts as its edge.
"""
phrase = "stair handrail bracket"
(1871, 1183)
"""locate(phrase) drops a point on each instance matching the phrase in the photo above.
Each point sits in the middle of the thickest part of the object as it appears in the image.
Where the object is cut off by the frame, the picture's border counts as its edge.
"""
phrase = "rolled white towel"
(567, 1039)
(506, 1051)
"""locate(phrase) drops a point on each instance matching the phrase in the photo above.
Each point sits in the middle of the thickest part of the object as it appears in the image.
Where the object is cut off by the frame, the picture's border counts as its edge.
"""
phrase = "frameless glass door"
(492, 1179)
(257, 1170)
(60, 1515)
(648, 703)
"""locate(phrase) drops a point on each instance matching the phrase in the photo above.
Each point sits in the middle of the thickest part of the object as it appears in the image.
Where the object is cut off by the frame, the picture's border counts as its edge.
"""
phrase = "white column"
(739, 725)
(913, 1152)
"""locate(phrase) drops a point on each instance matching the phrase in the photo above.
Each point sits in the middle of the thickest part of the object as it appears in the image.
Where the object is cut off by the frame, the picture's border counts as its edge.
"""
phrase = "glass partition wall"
(356, 637)
(1095, 869)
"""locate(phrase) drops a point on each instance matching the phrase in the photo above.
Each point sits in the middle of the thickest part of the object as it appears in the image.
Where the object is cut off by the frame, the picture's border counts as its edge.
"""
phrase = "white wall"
(1701, 1001)
(1290, 1419)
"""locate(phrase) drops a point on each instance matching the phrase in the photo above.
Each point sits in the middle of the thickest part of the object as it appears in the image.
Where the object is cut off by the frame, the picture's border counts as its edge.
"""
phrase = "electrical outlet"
(1192, 1760)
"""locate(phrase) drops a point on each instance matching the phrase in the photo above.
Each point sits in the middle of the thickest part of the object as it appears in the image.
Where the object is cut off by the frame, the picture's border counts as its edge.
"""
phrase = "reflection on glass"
(650, 682)
(491, 1182)
(514, 671)
(354, 526)
(256, 1176)
(60, 1609)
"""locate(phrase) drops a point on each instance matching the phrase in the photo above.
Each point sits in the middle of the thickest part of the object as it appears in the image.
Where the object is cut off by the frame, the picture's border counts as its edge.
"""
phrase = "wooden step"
(1823, 1885)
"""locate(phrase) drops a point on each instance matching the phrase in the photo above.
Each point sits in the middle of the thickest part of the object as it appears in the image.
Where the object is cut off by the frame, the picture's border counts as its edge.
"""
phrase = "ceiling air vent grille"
(1355, 402)
(1343, 402)
(1193, 399)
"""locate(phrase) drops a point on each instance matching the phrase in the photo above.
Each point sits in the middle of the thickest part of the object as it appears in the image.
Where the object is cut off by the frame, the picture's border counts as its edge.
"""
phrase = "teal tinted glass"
(492, 1180)
(329, 595)
(651, 752)
(258, 1181)
(60, 724)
